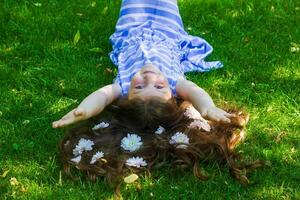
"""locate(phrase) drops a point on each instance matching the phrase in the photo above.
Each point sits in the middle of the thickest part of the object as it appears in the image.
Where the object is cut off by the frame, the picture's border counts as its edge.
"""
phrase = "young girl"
(159, 114)
(152, 52)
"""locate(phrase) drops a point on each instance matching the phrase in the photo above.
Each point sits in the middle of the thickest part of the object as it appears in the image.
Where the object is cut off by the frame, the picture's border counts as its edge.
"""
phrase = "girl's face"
(149, 82)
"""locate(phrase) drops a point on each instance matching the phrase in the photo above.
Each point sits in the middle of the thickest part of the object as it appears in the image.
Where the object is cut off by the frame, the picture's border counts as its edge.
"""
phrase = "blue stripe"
(174, 26)
(158, 59)
(197, 51)
(153, 11)
(172, 35)
(166, 71)
(129, 71)
(161, 27)
(133, 58)
(165, 51)
(166, 58)
(135, 51)
(166, 44)
(126, 67)
(150, 2)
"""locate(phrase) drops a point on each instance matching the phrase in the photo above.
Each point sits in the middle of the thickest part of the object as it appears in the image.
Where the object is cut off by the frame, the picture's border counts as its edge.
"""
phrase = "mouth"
(148, 72)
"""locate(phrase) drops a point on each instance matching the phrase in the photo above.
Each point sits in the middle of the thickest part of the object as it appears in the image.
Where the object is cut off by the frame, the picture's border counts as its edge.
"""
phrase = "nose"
(150, 78)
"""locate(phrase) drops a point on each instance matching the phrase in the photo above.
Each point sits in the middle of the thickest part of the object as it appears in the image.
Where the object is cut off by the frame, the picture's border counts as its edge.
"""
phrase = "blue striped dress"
(151, 32)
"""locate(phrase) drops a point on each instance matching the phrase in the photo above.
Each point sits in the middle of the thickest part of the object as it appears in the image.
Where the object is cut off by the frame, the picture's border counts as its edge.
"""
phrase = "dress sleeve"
(194, 52)
(117, 80)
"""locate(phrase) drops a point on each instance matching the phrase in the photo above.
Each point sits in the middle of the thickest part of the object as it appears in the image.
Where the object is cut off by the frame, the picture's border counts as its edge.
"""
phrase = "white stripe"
(127, 25)
(164, 62)
(127, 67)
(171, 2)
(133, 69)
(160, 56)
(174, 2)
(160, 26)
(126, 84)
(128, 75)
(137, 15)
(130, 69)
(164, 50)
(160, 63)
(165, 70)
(145, 5)
(131, 50)
(126, 70)
(137, 56)
(164, 27)
(135, 51)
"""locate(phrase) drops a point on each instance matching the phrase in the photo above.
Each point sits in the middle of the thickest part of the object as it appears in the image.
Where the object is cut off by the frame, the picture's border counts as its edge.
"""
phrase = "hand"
(73, 116)
(216, 114)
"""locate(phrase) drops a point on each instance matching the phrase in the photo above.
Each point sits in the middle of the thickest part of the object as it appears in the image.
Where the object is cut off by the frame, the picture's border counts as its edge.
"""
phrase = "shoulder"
(181, 88)
(184, 87)
(112, 90)
(116, 89)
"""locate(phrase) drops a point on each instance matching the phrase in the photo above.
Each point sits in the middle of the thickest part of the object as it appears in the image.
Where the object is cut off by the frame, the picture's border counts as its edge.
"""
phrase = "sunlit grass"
(44, 74)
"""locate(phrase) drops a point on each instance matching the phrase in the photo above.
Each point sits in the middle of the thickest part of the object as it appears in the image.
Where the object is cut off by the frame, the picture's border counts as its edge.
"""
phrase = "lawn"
(54, 53)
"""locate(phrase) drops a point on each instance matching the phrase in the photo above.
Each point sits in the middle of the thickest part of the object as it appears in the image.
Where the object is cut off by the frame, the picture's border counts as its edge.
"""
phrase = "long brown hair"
(143, 118)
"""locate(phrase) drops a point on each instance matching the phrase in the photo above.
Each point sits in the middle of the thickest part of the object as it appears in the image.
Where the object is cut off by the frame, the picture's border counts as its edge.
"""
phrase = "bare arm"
(91, 105)
(189, 91)
(98, 100)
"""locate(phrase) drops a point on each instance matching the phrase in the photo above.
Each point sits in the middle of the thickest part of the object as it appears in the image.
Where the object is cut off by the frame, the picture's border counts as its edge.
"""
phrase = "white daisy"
(181, 139)
(192, 113)
(83, 145)
(131, 143)
(101, 125)
(200, 124)
(98, 155)
(136, 162)
(76, 159)
(160, 130)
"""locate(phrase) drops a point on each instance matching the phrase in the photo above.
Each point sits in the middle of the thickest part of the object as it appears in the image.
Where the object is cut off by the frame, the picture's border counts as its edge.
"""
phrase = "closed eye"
(159, 87)
(138, 87)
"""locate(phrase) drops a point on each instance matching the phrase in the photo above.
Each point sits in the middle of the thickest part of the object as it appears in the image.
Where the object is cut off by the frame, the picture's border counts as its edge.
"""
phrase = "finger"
(204, 113)
(213, 116)
(225, 119)
(56, 124)
(220, 116)
(229, 114)
(67, 121)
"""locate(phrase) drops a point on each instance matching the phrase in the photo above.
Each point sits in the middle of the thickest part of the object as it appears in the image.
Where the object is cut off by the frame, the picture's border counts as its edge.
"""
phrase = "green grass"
(44, 74)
